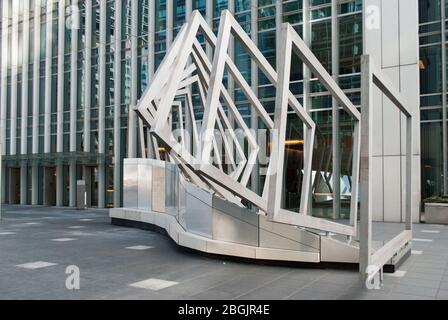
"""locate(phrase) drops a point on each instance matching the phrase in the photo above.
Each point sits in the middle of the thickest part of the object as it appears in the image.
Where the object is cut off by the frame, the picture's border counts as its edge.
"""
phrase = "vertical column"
(117, 104)
(73, 97)
(24, 126)
(102, 104)
(14, 70)
(444, 100)
(132, 128)
(60, 103)
(4, 88)
(335, 111)
(87, 94)
(4, 75)
(169, 23)
(365, 225)
(48, 56)
(36, 91)
(151, 36)
(209, 19)
(151, 59)
(188, 9)
(88, 75)
(254, 85)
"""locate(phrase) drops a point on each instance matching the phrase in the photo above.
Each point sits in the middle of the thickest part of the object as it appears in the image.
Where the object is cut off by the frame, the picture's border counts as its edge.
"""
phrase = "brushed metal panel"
(182, 202)
(276, 241)
(158, 189)
(171, 189)
(235, 211)
(198, 215)
(336, 251)
(130, 184)
(290, 232)
(220, 247)
(230, 229)
(286, 255)
(144, 186)
(234, 224)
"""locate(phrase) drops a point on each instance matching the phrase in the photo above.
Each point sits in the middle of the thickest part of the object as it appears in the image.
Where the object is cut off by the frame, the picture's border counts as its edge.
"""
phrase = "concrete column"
(59, 185)
(151, 61)
(4, 96)
(3, 79)
(73, 101)
(335, 112)
(48, 57)
(14, 71)
(117, 104)
(151, 40)
(102, 104)
(34, 185)
(60, 102)
(169, 23)
(60, 77)
(132, 128)
(444, 99)
(188, 9)
(25, 97)
(209, 19)
(87, 93)
(88, 75)
(36, 102)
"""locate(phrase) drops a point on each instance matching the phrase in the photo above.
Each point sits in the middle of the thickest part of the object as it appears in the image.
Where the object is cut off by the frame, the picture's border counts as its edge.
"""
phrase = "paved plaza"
(37, 244)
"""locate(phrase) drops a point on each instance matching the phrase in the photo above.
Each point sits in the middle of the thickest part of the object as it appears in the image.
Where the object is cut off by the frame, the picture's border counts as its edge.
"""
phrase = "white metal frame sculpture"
(199, 157)
(174, 78)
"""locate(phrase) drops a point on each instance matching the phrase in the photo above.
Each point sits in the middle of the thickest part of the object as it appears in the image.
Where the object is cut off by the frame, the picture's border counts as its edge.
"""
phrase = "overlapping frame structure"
(186, 63)
(173, 79)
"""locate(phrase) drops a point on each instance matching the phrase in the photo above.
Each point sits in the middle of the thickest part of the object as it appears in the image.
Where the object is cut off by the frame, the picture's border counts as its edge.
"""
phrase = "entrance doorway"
(49, 186)
(14, 185)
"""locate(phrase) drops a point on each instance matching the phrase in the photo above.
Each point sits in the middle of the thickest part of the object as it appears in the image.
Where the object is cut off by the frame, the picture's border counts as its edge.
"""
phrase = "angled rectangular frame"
(290, 42)
(372, 262)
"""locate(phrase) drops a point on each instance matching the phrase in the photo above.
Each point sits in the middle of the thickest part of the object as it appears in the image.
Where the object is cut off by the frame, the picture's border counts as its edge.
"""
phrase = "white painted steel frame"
(175, 75)
(291, 42)
(370, 77)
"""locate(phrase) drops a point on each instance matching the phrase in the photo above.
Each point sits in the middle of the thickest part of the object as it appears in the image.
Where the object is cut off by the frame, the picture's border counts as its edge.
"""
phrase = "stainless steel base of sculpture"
(156, 194)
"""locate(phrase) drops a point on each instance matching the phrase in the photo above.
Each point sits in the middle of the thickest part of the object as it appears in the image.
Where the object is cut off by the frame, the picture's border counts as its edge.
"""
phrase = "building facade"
(433, 100)
(73, 69)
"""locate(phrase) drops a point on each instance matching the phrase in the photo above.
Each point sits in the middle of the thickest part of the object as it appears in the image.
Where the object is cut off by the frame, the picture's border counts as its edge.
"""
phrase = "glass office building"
(72, 70)
(433, 90)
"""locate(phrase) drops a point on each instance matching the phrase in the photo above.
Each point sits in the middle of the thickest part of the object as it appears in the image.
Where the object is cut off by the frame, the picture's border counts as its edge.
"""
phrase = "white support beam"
(117, 103)
(102, 104)
(73, 96)
(60, 102)
(48, 64)
(87, 75)
(4, 81)
(36, 101)
(14, 70)
(25, 100)
(132, 128)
